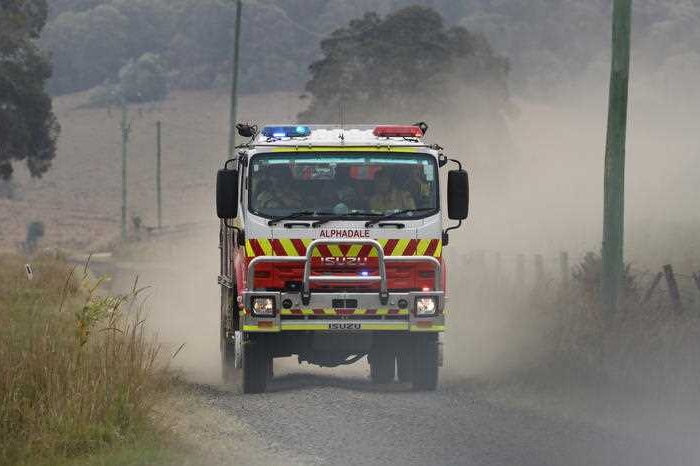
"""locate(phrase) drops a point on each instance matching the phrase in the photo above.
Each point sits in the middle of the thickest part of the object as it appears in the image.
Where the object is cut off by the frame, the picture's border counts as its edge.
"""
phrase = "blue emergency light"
(278, 132)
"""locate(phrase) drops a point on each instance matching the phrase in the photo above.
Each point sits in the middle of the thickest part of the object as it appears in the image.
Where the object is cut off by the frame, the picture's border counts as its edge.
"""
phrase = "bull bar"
(324, 300)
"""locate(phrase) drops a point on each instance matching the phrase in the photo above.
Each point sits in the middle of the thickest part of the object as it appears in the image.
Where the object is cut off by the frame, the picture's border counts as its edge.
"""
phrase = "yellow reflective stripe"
(329, 311)
(438, 250)
(266, 246)
(308, 241)
(335, 250)
(382, 243)
(249, 249)
(321, 326)
(255, 328)
(354, 250)
(434, 328)
(382, 312)
(359, 312)
(400, 247)
(345, 149)
(307, 312)
(422, 247)
(288, 247)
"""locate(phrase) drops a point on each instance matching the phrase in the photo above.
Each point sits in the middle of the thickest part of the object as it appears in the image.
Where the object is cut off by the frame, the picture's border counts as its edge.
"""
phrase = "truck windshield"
(372, 183)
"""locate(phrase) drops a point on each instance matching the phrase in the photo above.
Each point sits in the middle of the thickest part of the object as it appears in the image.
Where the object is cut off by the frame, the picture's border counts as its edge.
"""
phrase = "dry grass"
(78, 372)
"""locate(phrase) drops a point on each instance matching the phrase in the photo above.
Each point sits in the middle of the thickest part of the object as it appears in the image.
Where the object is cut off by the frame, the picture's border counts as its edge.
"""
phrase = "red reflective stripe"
(390, 245)
(277, 247)
(299, 246)
(325, 252)
(257, 250)
(364, 251)
(344, 249)
(411, 248)
(431, 247)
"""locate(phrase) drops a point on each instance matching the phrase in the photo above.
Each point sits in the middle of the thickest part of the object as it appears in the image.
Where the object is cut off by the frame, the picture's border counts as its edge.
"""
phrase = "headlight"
(426, 306)
(263, 306)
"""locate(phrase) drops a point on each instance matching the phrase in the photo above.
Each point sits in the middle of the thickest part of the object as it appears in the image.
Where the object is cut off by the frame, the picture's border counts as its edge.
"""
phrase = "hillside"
(79, 199)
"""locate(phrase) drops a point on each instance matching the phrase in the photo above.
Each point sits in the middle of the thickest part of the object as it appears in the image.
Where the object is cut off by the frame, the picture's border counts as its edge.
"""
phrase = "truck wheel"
(404, 366)
(425, 362)
(256, 366)
(382, 366)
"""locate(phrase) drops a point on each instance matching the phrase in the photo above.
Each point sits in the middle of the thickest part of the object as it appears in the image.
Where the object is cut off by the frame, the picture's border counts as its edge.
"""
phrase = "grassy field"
(79, 199)
(80, 379)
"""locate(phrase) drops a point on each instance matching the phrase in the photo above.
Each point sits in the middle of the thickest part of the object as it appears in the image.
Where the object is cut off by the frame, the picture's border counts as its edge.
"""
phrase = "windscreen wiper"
(292, 216)
(390, 215)
(335, 217)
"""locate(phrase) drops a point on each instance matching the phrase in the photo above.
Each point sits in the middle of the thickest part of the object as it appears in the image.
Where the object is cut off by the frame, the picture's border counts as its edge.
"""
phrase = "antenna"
(342, 122)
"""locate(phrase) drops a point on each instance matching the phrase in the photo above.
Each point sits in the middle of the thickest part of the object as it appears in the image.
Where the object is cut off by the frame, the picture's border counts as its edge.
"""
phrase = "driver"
(388, 197)
(276, 191)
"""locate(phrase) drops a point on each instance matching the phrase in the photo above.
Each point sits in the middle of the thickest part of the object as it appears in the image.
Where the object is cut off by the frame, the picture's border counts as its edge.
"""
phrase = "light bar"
(278, 132)
(398, 131)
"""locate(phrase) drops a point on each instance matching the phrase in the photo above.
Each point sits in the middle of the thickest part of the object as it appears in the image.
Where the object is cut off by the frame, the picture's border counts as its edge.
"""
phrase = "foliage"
(77, 372)
(548, 42)
(28, 128)
(144, 80)
(407, 63)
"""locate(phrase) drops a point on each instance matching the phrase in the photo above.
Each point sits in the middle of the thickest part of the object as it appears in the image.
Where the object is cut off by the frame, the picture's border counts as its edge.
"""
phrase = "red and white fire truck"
(332, 249)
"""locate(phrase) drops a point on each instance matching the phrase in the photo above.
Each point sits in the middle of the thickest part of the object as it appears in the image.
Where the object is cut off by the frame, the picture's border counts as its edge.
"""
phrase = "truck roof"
(334, 136)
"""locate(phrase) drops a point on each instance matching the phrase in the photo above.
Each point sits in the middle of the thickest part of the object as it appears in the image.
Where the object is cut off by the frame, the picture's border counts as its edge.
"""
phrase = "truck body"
(331, 250)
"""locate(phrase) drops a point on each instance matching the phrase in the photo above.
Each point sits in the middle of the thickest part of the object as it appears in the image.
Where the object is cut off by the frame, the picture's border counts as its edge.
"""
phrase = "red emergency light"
(398, 131)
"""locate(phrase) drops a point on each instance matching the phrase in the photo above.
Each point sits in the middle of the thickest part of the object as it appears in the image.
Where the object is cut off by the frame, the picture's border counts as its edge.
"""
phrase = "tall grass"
(78, 372)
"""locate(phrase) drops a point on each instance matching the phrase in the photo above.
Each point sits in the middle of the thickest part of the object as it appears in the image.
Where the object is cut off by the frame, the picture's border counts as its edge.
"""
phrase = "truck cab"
(332, 250)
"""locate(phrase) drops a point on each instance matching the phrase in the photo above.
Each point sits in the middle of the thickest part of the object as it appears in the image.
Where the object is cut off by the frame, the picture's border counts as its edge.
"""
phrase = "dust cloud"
(536, 178)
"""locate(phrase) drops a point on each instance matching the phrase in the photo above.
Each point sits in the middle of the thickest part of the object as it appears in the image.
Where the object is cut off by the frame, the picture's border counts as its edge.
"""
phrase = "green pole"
(125, 140)
(158, 191)
(234, 79)
(614, 195)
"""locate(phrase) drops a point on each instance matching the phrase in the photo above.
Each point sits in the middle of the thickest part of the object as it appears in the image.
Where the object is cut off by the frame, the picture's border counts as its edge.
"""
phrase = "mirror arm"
(240, 234)
(446, 233)
(443, 160)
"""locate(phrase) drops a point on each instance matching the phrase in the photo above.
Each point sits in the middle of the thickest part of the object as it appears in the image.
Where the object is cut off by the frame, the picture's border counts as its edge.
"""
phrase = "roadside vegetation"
(80, 378)
(555, 334)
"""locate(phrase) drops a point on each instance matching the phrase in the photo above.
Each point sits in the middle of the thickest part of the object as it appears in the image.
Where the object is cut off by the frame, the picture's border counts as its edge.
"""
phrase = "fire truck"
(331, 244)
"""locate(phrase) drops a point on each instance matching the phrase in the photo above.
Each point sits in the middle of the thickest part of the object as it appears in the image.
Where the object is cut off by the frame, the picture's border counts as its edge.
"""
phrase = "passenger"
(416, 185)
(387, 197)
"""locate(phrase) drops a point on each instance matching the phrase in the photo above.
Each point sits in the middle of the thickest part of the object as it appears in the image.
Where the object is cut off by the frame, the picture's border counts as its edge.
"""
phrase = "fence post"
(673, 292)
(539, 269)
(652, 288)
(564, 268)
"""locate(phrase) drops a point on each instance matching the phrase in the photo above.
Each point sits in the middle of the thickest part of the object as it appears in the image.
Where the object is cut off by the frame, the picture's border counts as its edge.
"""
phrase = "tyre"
(382, 366)
(425, 362)
(404, 365)
(257, 363)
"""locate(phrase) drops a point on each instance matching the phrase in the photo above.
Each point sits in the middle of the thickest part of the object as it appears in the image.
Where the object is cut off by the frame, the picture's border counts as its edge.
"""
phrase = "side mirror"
(227, 193)
(457, 194)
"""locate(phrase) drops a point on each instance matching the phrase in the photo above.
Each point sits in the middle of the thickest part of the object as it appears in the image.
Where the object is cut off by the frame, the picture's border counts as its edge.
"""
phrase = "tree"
(28, 127)
(407, 64)
(144, 80)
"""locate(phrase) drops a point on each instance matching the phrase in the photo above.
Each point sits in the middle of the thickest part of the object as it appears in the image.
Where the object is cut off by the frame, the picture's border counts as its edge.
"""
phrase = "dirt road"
(313, 416)
(339, 417)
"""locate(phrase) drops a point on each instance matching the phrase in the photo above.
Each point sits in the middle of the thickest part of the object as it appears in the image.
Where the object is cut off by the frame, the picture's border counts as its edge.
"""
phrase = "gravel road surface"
(338, 417)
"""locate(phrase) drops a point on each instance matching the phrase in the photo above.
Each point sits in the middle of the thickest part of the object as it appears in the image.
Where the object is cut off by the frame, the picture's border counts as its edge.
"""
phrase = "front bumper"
(368, 315)
(343, 311)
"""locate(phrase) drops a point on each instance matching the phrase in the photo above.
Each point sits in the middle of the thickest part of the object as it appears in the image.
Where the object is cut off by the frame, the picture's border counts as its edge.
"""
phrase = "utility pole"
(234, 79)
(126, 129)
(158, 195)
(614, 195)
